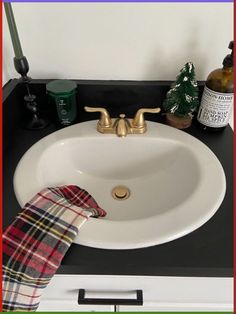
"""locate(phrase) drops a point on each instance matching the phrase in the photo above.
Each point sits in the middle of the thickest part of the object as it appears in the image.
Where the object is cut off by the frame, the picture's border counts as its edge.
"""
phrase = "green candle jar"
(62, 94)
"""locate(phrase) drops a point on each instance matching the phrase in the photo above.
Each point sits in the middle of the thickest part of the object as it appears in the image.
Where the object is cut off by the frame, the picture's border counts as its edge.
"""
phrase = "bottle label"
(215, 108)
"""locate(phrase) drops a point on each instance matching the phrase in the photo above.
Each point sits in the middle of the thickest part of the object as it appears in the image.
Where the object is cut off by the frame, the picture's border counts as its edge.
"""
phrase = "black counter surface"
(208, 251)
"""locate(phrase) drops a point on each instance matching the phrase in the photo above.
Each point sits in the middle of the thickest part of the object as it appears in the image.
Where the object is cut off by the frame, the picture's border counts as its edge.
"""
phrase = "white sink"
(176, 183)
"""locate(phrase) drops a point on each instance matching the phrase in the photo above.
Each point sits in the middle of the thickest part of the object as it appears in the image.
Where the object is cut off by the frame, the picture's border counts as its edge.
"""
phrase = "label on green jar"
(215, 109)
(66, 110)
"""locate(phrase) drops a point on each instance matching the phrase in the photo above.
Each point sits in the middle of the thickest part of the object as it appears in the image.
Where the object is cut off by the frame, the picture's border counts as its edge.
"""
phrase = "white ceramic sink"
(176, 183)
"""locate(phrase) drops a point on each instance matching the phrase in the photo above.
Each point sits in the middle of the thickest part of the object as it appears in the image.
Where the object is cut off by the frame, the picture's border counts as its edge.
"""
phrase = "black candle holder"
(32, 120)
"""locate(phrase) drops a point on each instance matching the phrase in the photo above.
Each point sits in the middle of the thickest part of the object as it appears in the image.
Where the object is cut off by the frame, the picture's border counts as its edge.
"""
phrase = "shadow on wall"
(170, 64)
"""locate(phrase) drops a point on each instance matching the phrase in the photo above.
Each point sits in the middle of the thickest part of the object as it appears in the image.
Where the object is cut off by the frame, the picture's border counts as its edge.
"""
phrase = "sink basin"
(174, 182)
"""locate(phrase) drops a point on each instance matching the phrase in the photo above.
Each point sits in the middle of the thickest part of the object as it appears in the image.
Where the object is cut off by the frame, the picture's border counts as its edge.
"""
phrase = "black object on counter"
(206, 252)
(32, 120)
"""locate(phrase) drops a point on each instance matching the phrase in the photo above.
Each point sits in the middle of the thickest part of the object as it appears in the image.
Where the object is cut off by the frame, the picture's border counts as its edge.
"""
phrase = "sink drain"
(120, 193)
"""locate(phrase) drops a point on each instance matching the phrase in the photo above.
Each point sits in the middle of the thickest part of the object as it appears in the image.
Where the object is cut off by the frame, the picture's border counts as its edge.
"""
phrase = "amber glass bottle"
(217, 99)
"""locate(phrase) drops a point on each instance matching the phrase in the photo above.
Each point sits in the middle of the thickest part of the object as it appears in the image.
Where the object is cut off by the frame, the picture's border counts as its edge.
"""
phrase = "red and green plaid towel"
(35, 243)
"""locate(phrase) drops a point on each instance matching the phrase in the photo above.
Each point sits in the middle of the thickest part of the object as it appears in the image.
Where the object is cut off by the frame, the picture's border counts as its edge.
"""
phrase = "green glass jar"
(62, 94)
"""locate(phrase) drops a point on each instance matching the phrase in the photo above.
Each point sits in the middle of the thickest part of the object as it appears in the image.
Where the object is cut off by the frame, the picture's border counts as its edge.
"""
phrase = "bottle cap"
(229, 59)
(61, 87)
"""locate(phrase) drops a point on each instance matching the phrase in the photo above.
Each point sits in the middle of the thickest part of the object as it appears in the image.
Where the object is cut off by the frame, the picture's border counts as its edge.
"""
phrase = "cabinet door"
(159, 293)
(100, 293)
(188, 294)
(71, 306)
(178, 307)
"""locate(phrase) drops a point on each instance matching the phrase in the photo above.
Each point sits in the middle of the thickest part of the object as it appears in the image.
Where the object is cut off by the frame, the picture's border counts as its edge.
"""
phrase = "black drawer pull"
(103, 301)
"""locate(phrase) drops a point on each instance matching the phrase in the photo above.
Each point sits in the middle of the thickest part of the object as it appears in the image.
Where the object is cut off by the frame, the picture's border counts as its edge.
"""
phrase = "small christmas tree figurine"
(182, 98)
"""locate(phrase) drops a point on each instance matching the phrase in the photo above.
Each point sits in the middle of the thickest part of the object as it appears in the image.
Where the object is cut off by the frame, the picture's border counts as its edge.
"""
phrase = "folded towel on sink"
(35, 243)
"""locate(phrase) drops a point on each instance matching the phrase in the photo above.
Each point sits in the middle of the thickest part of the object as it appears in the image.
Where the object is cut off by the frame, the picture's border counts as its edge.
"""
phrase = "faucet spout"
(122, 126)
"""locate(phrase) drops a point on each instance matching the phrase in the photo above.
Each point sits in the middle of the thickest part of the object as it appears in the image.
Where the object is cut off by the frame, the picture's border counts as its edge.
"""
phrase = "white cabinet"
(159, 293)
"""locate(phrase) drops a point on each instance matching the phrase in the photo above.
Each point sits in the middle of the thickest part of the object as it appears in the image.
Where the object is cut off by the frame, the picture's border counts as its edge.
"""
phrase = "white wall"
(130, 41)
(139, 41)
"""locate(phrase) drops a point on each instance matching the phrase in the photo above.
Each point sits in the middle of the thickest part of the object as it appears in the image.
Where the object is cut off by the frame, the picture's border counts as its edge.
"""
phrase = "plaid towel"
(35, 243)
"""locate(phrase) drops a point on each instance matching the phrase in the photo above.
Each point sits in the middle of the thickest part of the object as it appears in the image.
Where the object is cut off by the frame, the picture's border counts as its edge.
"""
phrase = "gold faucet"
(122, 126)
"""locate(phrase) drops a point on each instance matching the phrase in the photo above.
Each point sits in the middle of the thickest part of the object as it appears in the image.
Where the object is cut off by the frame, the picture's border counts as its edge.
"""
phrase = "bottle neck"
(228, 69)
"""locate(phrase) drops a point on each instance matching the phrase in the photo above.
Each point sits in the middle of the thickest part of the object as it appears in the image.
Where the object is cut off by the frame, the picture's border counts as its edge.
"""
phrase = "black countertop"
(208, 251)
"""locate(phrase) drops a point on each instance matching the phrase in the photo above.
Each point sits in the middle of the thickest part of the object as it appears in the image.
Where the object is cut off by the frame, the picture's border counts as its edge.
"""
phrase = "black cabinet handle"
(104, 301)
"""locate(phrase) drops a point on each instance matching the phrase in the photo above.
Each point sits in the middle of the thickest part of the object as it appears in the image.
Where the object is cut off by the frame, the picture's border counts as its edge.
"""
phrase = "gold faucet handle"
(138, 121)
(105, 120)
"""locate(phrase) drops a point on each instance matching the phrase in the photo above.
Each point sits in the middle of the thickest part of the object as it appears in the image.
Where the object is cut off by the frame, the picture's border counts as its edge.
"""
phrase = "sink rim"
(149, 237)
